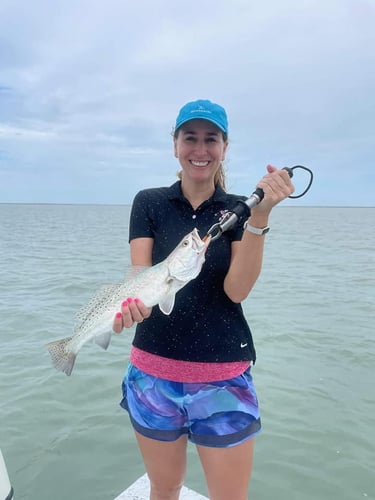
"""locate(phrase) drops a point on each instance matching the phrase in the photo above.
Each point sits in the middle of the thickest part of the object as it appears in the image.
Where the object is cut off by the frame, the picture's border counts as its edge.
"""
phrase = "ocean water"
(312, 317)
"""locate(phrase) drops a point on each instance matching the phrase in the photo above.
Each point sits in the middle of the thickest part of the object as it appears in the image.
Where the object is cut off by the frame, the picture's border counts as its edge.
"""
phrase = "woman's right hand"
(132, 311)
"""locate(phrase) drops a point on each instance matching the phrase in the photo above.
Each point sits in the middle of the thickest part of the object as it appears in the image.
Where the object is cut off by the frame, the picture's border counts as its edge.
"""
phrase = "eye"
(185, 243)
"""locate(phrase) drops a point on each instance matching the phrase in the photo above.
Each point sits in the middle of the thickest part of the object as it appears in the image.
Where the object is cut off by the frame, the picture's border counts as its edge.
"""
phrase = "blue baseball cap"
(203, 110)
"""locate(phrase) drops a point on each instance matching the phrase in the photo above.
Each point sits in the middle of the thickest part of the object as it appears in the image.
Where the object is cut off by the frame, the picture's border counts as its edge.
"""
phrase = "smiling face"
(200, 147)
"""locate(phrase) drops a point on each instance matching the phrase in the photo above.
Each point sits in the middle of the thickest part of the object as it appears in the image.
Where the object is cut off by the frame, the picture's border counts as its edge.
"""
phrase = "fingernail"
(130, 300)
(136, 301)
(118, 315)
(124, 304)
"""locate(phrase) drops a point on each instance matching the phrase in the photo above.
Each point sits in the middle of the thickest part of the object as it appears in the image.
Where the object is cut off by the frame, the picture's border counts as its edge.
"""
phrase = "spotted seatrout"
(153, 285)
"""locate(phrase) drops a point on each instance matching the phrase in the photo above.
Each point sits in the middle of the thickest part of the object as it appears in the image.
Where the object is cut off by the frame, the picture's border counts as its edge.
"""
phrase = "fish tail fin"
(62, 359)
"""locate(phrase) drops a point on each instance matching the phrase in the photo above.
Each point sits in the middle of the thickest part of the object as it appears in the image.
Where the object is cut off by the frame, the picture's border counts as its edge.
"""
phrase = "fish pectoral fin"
(167, 303)
(103, 340)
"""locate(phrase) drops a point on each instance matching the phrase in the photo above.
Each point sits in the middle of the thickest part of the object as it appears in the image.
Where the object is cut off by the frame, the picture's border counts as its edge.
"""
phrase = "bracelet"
(256, 230)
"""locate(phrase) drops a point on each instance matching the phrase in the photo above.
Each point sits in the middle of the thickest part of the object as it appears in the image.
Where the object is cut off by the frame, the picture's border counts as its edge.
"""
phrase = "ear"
(175, 148)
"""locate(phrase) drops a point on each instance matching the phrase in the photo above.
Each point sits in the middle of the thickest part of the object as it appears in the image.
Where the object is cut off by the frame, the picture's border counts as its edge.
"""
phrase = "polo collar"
(175, 193)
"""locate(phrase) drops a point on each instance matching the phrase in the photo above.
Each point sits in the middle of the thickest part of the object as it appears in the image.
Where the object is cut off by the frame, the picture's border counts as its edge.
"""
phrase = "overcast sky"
(89, 91)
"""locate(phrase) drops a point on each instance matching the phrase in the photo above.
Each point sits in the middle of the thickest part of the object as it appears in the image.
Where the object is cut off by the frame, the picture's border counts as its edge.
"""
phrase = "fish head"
(186, 260)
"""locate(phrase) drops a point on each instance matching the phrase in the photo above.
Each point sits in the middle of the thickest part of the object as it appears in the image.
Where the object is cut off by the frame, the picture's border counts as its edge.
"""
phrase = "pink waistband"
(185, 371)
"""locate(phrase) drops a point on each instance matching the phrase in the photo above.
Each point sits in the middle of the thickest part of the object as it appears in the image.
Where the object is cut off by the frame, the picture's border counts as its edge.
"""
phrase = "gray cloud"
(89, 92)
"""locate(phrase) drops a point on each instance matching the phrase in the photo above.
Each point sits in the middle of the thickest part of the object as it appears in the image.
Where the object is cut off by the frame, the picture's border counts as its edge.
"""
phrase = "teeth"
(199, 163)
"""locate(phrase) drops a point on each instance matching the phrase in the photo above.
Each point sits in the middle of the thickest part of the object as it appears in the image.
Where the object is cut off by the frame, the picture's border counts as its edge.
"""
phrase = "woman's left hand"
(132, 311)
(277, 186)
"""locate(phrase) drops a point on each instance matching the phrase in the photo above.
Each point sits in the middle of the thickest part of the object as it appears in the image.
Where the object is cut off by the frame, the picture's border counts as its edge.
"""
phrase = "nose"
(200, 148)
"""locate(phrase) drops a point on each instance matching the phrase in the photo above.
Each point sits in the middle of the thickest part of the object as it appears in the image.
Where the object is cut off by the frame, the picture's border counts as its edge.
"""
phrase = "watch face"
(265, 230)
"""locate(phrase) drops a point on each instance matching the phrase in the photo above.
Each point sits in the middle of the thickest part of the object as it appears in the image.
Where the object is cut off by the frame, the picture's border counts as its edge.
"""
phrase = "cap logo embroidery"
(200, 109)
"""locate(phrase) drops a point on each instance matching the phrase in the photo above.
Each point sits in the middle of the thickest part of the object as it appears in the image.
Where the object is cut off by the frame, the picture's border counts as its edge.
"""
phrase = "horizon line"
(129, 204)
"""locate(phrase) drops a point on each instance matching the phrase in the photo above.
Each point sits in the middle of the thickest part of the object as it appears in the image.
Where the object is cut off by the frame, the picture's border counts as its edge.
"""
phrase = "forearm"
(247, 255)
(246, 262)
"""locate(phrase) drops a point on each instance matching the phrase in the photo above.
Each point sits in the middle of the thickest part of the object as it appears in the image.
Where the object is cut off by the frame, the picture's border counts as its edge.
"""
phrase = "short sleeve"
(237, 231)
(140, 225)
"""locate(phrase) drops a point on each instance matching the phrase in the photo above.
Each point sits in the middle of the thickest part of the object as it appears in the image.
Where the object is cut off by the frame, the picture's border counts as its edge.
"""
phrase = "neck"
(197, 193)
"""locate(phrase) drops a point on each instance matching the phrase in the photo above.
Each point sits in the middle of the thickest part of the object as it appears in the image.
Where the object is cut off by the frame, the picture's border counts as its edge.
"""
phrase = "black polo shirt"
(205, 325)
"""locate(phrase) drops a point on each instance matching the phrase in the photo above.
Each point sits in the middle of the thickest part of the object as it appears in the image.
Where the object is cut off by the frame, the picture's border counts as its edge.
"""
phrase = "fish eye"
(185, 243)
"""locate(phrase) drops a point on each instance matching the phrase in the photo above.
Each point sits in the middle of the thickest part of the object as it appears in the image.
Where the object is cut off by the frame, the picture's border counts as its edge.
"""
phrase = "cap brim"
(218, 125)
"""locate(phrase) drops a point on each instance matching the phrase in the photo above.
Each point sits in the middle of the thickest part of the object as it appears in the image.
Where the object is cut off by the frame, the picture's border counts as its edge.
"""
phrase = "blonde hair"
(220, 176)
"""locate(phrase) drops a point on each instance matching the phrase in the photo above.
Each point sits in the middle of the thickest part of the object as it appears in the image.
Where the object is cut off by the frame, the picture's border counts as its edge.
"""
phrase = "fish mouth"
(199, 245)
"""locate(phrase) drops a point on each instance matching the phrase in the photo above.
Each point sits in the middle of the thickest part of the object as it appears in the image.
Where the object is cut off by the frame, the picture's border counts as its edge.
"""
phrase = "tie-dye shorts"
(216, 414)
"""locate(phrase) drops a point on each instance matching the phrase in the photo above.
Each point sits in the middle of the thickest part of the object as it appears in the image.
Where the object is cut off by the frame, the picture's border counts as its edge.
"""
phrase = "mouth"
(199, 164)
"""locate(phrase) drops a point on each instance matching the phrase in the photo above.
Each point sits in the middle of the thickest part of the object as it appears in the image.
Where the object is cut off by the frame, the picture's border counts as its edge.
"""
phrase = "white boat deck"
(140, 490)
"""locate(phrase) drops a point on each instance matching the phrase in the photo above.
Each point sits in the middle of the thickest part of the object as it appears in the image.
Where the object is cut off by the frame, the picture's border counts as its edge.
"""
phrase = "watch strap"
(260, 231)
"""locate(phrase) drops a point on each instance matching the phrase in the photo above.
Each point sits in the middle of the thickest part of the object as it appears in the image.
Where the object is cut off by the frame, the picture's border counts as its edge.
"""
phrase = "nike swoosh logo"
(243, 345)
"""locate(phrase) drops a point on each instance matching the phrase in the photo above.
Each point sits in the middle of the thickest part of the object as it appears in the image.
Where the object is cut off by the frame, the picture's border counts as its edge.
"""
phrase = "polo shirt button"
(194, 216)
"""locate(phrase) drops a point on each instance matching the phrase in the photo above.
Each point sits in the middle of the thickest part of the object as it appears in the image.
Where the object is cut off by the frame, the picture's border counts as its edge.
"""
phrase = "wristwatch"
(256, 230)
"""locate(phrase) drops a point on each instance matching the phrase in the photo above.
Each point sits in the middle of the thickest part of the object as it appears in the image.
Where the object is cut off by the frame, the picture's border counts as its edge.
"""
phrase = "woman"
(189, 374)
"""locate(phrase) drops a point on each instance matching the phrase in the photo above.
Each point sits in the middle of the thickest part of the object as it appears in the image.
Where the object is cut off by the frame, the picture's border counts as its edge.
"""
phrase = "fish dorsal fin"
(101, 296)
(133, 271)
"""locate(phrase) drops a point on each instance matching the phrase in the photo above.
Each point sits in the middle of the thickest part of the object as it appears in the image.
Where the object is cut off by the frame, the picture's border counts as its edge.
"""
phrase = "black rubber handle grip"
(259, 191)
(243, 207)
